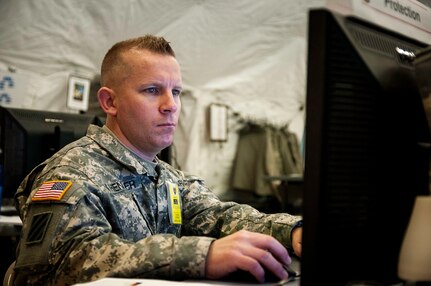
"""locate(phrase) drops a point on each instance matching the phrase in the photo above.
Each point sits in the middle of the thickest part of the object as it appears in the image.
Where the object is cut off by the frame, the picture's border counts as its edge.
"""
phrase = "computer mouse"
(245, 276)
(240, 276)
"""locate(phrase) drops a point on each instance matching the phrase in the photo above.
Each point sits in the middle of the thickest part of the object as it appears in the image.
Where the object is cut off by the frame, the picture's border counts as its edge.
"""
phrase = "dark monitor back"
(28, 137)
(364, 163)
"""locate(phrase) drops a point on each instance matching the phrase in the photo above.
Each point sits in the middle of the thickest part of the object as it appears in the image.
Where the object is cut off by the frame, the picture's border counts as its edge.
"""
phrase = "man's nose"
(168, 104)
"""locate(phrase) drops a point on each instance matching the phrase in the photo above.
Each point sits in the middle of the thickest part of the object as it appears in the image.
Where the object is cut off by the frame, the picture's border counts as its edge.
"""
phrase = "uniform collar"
(110, 143)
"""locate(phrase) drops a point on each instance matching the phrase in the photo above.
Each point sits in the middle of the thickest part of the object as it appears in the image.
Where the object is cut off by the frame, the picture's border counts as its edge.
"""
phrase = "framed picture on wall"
(78, 93)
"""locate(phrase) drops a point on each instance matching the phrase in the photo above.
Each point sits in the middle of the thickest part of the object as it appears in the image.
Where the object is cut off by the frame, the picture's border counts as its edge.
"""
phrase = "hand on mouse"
(247, 251)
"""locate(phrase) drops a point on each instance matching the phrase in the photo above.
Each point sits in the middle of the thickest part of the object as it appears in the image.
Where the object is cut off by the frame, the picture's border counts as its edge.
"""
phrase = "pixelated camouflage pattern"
(114, 220)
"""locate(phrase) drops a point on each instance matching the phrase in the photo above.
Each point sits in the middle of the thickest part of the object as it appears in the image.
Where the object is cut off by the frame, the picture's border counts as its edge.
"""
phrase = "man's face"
(147, 100)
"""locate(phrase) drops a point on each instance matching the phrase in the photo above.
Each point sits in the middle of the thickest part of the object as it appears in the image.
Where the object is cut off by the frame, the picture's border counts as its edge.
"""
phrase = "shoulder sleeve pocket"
(40, 227)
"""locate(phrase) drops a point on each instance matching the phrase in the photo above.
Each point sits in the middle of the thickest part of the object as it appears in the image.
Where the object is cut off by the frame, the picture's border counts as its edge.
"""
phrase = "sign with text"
(412, 12)
(411, 18)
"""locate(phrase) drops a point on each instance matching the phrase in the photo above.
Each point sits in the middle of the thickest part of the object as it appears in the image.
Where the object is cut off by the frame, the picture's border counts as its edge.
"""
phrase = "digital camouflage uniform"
(114, 218)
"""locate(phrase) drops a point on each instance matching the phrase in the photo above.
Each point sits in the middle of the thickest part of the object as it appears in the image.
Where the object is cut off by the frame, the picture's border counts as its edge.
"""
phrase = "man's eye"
(152, 90)
(176, 92)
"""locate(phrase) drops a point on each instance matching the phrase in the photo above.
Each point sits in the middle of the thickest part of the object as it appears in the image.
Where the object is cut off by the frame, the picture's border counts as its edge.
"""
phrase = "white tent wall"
(247, 54)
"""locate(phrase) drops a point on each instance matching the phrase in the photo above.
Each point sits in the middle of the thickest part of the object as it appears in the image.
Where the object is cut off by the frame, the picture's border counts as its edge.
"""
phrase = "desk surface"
(155, 282)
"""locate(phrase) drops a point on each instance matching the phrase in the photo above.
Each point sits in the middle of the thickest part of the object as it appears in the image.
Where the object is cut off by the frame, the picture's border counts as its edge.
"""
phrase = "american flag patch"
(51, 190)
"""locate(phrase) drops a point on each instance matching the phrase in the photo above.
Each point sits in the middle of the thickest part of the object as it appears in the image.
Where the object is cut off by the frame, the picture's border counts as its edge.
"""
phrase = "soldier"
(106, 206)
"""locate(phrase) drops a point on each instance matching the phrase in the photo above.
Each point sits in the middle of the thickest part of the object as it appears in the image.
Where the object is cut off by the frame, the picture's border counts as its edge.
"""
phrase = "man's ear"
(106, 100)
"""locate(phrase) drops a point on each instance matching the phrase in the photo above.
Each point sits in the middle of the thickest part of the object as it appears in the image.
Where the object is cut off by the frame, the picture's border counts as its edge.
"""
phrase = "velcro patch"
(39, 224)
(51, 191)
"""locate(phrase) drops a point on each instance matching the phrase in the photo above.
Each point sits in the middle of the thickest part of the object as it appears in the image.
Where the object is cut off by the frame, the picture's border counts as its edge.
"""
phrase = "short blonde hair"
(113, 59)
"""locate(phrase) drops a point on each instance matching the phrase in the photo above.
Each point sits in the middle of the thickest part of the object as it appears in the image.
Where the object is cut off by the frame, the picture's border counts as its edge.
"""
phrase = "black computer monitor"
(365, 157)
(27, 137)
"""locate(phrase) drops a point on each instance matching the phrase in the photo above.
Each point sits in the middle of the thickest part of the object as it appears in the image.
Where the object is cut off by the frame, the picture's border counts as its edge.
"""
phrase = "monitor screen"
(27, 137)
(364, 158)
